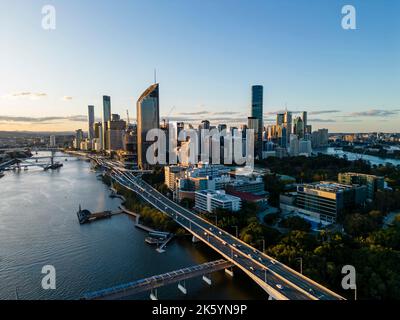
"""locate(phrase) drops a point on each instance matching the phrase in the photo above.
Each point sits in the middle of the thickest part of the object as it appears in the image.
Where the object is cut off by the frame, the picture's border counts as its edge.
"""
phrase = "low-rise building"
(209, 200)
(373, 183)
(323, 201)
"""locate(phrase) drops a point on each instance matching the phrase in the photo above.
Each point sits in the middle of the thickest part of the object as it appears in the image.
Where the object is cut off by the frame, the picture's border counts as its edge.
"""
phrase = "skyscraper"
(148, 118)
(91, 134)
(257, 112)
(304, 117)
(106, 118)
(298, 127)
(288, 124)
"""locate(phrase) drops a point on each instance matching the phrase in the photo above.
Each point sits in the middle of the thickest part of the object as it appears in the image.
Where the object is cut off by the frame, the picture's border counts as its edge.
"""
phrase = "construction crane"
(169, 113)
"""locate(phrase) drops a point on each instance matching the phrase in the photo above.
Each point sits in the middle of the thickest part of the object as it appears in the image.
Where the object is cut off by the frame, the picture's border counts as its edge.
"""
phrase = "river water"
(38, 226)
(355, 156)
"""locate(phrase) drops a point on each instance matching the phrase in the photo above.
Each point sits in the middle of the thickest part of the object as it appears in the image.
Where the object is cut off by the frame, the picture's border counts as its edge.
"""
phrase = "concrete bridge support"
(207, 280)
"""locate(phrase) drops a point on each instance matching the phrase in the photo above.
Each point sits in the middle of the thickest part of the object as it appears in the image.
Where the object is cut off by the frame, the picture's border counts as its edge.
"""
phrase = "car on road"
(272, 261)
(261, 260)
(251, 268)
(279, 286)
(220, 233)
(224, 243)
(234, 244)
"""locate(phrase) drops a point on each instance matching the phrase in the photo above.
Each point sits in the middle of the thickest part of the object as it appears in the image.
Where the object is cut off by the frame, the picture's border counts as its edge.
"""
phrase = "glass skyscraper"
(257, 112)
(90, 122)
(148, 117)
(106, 118)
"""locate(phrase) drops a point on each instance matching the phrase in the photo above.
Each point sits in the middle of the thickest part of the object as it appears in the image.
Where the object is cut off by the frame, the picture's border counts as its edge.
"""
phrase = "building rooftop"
(329, 186)
(218, 195)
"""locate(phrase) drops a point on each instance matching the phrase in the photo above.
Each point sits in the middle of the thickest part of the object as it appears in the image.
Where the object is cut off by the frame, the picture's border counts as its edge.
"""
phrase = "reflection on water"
(355, 156)
(38, 226)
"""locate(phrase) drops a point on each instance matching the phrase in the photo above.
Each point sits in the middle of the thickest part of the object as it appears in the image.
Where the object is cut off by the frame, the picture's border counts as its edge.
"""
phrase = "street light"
(301, 264)
(263, 242)
(237, 231)
(265, 276)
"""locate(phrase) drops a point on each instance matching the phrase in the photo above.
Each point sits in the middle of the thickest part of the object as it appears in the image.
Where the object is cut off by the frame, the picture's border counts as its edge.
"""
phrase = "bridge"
(154, 282)
(277, 279)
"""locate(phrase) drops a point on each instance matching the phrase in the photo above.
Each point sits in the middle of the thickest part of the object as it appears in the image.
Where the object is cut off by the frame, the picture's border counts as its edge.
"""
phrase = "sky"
(207, 55)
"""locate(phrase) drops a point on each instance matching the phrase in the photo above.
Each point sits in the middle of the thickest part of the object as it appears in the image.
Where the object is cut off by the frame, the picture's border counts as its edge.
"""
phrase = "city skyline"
(345, 79)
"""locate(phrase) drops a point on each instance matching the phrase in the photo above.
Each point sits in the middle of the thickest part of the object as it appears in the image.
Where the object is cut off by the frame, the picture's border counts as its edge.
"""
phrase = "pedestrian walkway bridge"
(152, 283)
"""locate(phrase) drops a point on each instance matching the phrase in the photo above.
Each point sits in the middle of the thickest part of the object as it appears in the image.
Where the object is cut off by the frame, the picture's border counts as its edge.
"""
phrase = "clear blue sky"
(207, 53)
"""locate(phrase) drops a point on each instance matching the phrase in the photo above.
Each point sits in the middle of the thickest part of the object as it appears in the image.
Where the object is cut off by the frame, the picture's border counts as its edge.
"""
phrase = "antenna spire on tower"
(155, 75)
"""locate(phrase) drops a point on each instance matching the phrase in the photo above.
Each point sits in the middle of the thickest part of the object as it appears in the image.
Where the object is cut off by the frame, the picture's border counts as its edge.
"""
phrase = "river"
(38, 226)
(355, 156)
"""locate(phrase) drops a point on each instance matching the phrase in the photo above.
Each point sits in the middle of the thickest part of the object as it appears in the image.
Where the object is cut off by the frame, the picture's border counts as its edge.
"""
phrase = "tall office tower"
(115, 134)
(288, 124)
(147, 118)
(106, 118)
(52, 141)
(280, 119)
(304, 118)
(257, 112)
(78, 138)
(91, 122)
(283, 138)
(205, 124)
(221, 127)
(298, 127)
(294, 145)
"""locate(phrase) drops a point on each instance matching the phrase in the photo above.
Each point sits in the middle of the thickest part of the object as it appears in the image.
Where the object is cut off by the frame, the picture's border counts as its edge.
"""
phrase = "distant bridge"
(154, 282)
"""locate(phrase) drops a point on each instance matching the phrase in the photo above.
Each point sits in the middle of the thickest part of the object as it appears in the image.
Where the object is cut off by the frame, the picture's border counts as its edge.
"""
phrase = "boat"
(53, 166)
(152, 241)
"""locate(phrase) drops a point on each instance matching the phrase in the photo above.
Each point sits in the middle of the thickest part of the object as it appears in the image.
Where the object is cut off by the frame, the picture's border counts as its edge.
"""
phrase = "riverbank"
(93, 256)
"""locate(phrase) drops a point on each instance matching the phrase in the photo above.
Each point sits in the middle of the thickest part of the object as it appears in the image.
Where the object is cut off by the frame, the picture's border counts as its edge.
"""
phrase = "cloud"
(375, 113)
(321, 120)
(43, 120)
(197, 113)
(67, 98)
(324, 112)
(26, 94)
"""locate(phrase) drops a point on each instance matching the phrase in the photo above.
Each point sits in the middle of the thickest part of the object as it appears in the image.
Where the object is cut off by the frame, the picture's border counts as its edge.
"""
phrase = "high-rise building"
(280, 119)
(106, 118)
(320, 138)
(78, 138)
(91, 122)
(52, 141)
(305, 147)
(294, 145)
(298, 127)
(205, 124)
(147, 118)
(305, 124)
(115, 134)
(257, 112)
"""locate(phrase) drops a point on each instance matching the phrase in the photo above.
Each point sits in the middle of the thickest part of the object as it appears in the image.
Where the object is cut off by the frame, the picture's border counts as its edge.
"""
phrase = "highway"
(278, 280)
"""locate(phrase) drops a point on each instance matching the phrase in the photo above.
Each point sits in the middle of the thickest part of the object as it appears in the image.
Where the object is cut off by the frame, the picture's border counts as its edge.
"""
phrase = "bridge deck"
(153, 282)
(277, 279)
